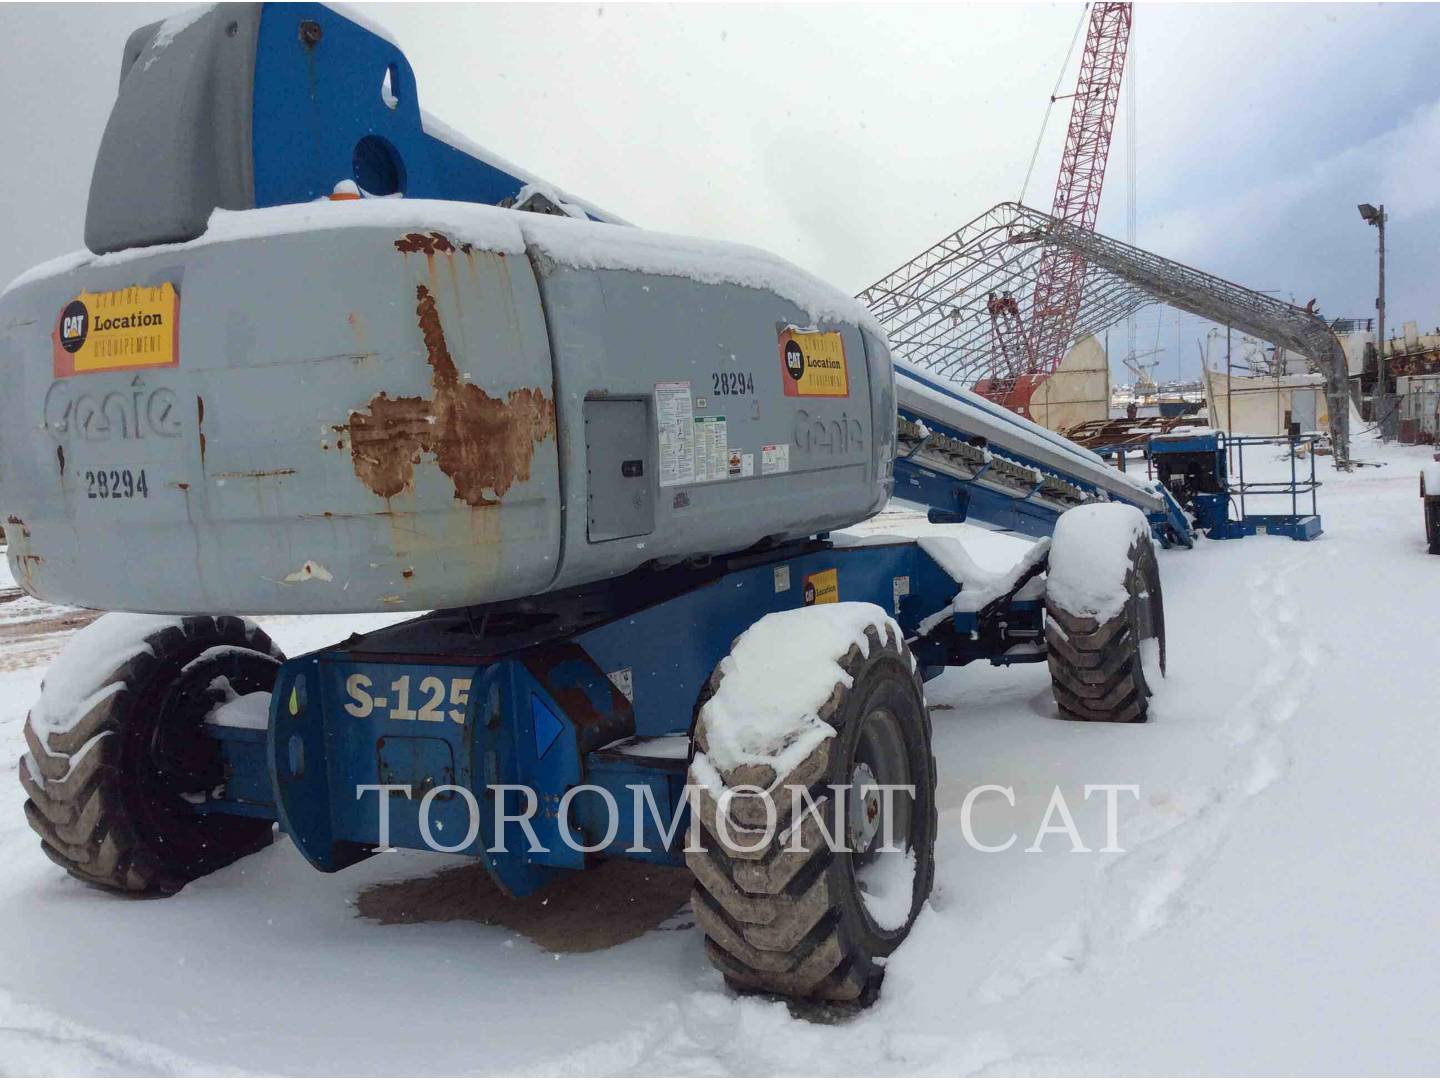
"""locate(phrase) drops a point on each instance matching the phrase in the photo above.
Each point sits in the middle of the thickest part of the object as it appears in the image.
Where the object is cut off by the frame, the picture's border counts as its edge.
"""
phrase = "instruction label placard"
(812, 363)
(712, 449)
(782, 579)
(675, 417)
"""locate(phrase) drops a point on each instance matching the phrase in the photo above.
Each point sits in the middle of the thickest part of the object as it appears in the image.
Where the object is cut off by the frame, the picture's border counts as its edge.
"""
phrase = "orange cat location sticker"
(138, 327)
(812, 363)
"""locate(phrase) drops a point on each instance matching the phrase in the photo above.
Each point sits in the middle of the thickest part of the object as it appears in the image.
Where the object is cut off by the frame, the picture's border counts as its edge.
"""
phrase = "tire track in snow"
(1139, 892)
(719, 1033)
(1258, 731)
(34, 1041)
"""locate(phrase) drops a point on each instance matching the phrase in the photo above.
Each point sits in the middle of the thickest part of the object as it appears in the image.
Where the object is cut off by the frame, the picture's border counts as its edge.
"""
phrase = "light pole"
(1376, 217)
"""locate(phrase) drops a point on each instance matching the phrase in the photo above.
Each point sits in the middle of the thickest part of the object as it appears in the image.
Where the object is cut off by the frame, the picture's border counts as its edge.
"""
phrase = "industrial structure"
(1043, 335)
(1032, 329)
(999, 303)
(936, 307)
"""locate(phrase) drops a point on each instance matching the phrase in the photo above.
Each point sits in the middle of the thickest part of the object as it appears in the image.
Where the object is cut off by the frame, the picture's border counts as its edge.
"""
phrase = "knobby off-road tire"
(1430, 506)
(107, 783)
(1097, 668)
(795, 922)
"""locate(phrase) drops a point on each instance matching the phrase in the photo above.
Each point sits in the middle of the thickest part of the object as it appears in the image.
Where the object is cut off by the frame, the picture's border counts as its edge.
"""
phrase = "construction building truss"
(940, 311)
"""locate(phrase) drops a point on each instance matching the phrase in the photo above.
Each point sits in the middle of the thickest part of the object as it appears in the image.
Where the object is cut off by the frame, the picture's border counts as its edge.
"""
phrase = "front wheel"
(118, 755)
(807, 898)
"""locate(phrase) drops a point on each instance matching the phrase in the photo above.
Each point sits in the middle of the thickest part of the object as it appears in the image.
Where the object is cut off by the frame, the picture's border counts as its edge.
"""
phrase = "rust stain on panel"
(200, 426)
(427, 243)
(385, 442)
(28, 565)
(357, 327)
(483, 444)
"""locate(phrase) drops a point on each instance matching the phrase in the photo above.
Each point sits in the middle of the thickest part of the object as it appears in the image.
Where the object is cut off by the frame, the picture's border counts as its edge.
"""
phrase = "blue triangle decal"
(547, 726)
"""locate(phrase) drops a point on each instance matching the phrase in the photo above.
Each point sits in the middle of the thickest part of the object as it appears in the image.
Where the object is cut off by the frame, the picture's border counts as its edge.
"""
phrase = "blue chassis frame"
(544, 714)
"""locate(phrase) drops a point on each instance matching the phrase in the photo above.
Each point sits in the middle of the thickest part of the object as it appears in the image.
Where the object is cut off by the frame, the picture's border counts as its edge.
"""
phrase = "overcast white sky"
(848, 138)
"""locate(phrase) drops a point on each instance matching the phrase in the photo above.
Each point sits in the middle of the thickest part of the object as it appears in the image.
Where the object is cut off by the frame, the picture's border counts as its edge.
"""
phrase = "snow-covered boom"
(318, 360)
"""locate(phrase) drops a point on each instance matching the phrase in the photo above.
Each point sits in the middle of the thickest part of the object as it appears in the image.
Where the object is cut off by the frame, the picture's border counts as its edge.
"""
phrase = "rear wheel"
(784, 911)
(118, 755)
(1104, 614)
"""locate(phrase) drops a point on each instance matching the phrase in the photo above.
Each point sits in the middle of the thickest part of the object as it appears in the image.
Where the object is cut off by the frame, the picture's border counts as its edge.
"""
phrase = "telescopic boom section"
(1060, 286)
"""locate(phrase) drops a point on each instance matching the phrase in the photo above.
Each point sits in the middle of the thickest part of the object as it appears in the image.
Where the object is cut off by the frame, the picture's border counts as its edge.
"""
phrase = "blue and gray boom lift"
(593, 456)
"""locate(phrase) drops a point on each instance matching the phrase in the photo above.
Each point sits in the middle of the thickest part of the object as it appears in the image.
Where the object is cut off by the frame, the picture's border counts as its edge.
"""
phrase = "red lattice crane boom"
(1060, 282)
(1082, 175)
(1009, 334)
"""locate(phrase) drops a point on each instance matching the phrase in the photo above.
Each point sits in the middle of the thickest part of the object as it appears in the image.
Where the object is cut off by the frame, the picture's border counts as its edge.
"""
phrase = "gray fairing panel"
(385, 416)
(178, 143)
(290, 458)
(619, 333)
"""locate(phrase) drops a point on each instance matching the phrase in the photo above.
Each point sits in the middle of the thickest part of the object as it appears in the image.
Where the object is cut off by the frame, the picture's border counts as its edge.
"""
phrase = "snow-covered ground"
(1276, 908)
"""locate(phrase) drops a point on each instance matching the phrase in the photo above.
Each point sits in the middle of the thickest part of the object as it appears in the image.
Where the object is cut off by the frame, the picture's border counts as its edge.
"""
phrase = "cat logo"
(74, 326)
(794, 360)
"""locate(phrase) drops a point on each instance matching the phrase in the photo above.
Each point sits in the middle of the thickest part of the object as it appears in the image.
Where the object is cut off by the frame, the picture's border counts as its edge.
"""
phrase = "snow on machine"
(324, 356)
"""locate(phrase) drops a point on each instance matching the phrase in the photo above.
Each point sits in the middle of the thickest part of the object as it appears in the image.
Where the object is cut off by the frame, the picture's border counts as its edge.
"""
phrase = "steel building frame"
(937, 308)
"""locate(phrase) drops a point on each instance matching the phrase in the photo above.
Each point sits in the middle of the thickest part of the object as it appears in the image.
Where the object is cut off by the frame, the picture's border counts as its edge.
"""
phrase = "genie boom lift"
(322, 356)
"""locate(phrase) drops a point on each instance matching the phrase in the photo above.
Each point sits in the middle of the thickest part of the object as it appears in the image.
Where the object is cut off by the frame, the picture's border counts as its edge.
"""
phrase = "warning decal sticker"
(822, 588)
(138, 327)
(774, 458)
(674, 415)
(812, 363)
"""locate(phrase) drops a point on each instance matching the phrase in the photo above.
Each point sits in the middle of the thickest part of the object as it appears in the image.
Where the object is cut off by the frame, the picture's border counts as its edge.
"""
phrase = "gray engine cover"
(385, 407)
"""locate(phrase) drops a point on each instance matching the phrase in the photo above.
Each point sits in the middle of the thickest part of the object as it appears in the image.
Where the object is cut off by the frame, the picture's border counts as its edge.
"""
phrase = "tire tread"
(770, 919)
(1096, 668)
(73, 778)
